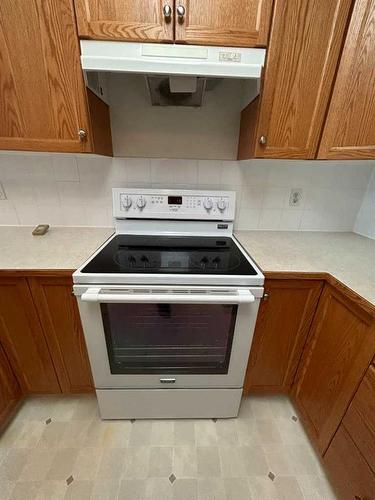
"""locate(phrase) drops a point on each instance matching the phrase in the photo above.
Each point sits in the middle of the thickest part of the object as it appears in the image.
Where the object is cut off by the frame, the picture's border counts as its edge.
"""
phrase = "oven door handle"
(241, 296)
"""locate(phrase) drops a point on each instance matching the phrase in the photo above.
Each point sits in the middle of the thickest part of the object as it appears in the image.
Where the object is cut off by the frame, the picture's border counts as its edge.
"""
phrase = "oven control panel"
(173, 204)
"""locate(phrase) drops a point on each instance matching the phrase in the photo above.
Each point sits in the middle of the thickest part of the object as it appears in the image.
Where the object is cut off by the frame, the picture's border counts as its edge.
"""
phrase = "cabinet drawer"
(359, 420)
(347, 468)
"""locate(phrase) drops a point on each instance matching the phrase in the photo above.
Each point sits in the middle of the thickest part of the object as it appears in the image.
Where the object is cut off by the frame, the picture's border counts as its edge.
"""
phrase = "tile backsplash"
(74, 190)
(365, 223)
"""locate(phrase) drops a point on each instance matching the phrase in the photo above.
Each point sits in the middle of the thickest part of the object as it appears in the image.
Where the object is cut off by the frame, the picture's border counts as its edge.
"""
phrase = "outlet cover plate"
(295, 199)
(3, 195)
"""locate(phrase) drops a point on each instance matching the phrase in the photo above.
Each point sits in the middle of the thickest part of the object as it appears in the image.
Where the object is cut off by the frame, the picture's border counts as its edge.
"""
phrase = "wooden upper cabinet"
(304, 48)
(10, 392)
(240, 23)
(59, 316)
(143, 20)
(350, 130)
(282, 327)
(43, 102)
(22, 338)
(340, 348)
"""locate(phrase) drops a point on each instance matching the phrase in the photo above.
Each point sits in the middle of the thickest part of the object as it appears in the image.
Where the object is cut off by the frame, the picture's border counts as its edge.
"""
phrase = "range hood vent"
(187, 91)
(177, 60)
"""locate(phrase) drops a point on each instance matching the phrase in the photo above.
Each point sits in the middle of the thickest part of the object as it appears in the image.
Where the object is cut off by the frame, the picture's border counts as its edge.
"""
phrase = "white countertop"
(60, 248)
(348, 257)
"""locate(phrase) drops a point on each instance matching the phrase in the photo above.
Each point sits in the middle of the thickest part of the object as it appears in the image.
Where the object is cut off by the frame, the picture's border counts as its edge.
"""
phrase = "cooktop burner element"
(170, 254)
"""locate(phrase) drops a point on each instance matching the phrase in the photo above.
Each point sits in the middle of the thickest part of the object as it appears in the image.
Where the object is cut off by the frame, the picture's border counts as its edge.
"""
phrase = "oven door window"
(169, 338)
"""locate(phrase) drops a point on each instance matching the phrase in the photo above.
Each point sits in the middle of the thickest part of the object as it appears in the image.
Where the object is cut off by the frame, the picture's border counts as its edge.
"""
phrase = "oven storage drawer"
(182, 403)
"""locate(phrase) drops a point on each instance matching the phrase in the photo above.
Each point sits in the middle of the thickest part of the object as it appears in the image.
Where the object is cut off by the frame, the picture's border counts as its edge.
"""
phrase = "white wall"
(365, 223)
(76, 190)
(142, 130)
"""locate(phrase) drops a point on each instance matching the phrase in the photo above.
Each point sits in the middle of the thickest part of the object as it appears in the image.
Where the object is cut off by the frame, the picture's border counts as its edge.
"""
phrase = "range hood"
(174, 60)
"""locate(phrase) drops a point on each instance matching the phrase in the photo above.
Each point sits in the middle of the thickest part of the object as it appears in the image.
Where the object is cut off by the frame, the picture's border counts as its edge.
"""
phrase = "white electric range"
(168, 306)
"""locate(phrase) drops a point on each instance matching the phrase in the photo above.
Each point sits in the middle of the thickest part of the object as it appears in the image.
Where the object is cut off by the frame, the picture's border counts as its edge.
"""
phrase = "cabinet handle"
(167, 11)
(263, 140)
(82, 134)
(181, 11)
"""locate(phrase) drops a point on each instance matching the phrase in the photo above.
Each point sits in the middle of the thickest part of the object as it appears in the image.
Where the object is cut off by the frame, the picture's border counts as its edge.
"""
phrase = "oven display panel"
(174, 200)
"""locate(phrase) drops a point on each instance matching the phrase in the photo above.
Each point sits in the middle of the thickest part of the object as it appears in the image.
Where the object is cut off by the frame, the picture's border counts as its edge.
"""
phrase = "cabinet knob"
(181, 11)
(82, 134)
(263, 140)
(167, 11)
(266, 296)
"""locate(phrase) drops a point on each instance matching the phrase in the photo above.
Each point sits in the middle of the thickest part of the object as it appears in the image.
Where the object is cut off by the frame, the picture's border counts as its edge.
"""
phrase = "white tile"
(8, 214)
(232, 173)
(16, 167)
(275, 197)
(231, 460)
(237, 489)
(252, 196)
(185, 461)
(138, 170)
(140, 433)
(65, 168)
(94, 169)
(185, 489)
(211, 489)
(248, 219)
(28, 215)
(205, 433)
(160, 462)
(291, 219)
(270, 219)
(255, 172)
(209, 172)
(136, 460)
(208, 461)
(227, 432)
(19, 190)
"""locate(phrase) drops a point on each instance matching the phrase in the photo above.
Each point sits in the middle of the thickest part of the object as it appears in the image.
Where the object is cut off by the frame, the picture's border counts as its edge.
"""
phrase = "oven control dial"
(208, 203)
(126, 202)
(222, 205)
(141, 202)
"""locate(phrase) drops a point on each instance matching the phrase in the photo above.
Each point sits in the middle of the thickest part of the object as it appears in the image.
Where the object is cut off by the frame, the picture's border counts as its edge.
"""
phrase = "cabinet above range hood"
(174, 60)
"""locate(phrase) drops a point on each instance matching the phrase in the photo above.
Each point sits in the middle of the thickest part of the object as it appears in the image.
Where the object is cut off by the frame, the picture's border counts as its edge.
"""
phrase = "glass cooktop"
(170, 255)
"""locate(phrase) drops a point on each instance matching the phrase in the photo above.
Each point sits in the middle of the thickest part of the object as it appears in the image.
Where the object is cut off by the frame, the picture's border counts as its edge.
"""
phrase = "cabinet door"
(360, 418)
(349, 130)
(239, 23)
(304, 48)
(42, 93)
(348, 470)
(340, 348)
(281, 331)
(10, 392)
(59, 316)
(23, 340)
(141, 21)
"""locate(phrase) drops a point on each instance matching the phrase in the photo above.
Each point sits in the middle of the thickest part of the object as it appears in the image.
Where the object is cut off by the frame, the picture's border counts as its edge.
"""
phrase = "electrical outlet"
(3, 196)
(295, 198)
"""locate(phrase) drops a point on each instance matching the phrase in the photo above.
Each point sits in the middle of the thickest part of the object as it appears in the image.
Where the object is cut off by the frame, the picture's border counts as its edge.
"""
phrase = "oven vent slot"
(166, 291)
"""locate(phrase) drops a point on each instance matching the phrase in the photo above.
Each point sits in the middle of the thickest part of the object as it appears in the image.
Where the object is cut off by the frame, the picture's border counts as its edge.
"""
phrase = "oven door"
(174, 338)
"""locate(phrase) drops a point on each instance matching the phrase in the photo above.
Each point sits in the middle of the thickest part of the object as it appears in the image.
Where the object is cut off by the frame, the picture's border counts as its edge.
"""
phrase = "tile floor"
(58, 448)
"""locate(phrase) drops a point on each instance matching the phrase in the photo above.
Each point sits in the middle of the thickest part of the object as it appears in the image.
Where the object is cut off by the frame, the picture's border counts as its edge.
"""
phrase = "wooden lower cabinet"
(283, 324)
(41, 333)
(10, 391)
(22, 338)
(348, 470)
(61, 323)
(340, 348)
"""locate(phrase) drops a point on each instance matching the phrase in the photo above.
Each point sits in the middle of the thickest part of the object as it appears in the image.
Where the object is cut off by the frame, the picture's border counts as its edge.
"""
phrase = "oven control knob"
(126, 202)
(208, 203)
(222, 205)
(141, 202)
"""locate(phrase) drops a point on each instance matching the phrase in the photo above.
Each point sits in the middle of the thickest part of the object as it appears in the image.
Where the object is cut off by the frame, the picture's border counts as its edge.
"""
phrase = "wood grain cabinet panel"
(61, 323)
(10, 391)
(23, 340)
(43, 101)
(304, 48)
(281, 331)
(243, 23)
(142, 20)
(350, 130)
(348, 470)
(340, 348)
(359, 420)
